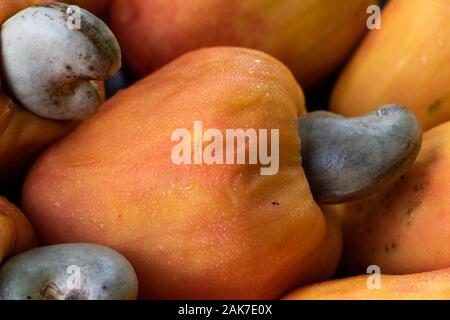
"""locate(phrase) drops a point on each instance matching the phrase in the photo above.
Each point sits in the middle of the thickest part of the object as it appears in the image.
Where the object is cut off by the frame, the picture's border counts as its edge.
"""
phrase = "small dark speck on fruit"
(419, 187)
(410, 211)
(275, 203)
(435, 106)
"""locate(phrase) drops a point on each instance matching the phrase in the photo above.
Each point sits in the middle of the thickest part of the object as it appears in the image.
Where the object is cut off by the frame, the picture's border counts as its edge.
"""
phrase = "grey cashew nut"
(348, 159)
(68, 272)
(51, 69)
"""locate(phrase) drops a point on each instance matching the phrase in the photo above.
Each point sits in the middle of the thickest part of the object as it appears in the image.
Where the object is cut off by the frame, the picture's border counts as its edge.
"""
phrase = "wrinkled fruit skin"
(190, 231)
(311, 37)
(76, 271)
(412, 48)
(16, 233)
(433, 285)
(406, 228)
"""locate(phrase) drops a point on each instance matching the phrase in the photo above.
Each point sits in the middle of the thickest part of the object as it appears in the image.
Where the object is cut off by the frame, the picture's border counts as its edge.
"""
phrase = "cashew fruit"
(16, 233)
(190, 231)
(23, 133)
(405, 62)
(405, 228)
(312, 38)
(433, 285)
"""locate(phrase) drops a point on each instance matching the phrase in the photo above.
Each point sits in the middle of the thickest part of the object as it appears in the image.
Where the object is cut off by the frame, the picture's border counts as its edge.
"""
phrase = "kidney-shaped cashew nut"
(75, 271)
(49, 67)
(348, 159)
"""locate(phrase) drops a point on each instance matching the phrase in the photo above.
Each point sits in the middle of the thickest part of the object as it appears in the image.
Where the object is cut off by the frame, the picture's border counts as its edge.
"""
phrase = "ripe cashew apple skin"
(405, 228)
(16, 232)
(312, 38)
(325, 260)
(190, 231)
(23, 136)
(433, 285)
(412, 49)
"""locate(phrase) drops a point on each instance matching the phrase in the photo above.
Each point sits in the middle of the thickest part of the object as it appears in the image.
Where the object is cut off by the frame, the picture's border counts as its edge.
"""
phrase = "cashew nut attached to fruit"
(347, 159)
(51, 68)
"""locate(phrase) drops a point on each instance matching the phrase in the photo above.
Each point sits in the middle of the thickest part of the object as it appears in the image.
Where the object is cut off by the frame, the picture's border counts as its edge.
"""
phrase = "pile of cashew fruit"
(104, 214)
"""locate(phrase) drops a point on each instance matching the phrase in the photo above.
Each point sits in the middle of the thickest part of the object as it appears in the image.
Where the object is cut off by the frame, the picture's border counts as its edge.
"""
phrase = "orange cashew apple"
(405, 62)
(16, 233)
(191, 231)
(311, 37)
(405, 228)
(433, 285)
